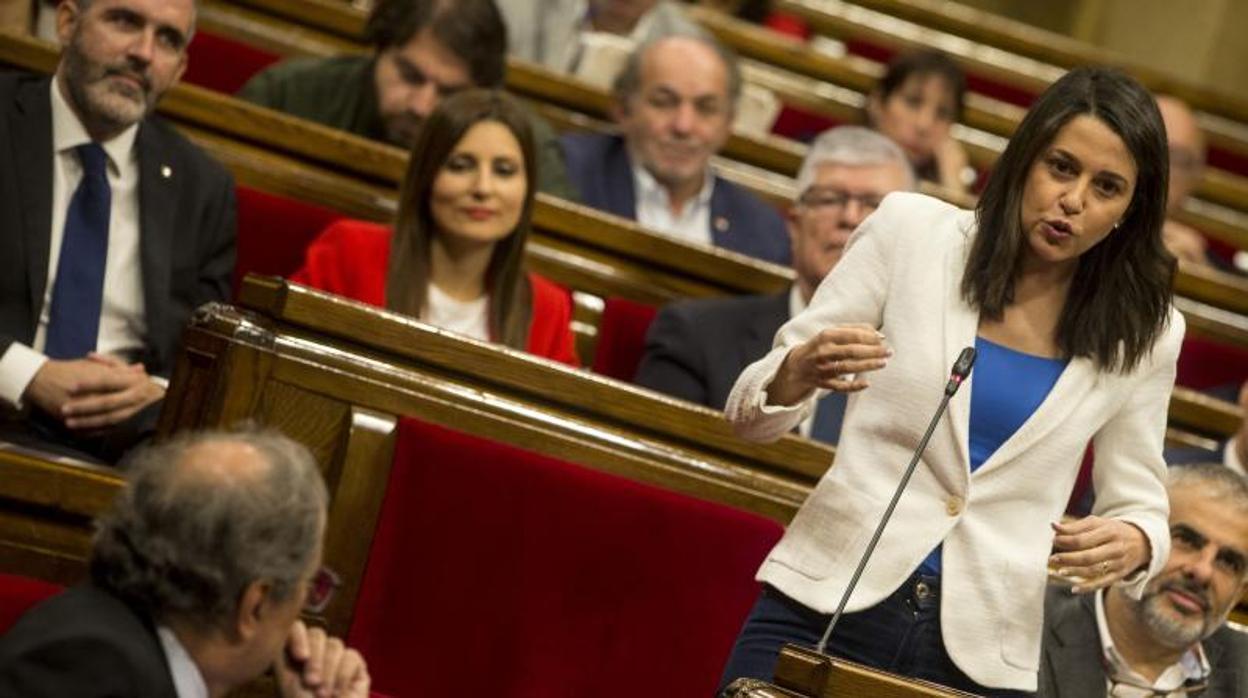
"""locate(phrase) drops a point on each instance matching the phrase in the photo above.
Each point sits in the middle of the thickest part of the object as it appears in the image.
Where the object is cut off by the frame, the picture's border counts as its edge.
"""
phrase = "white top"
(1192, 666)
(466, 318)
(901, 273)
(1230, 457)
(187, 680)
(122, 323)
(692, 224)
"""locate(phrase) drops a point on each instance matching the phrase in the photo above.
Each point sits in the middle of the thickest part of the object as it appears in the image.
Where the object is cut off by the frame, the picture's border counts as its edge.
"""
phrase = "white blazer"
(902, 273)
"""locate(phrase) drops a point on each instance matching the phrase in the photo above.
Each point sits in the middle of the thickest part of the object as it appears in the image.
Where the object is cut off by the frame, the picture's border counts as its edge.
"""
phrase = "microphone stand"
(961, 369)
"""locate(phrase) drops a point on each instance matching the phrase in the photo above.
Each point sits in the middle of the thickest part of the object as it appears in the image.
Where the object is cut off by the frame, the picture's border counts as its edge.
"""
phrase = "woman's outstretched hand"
(834, 359)
(1098, 551)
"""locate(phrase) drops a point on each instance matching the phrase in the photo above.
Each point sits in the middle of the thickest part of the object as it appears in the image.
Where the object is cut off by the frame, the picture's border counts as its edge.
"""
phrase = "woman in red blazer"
(454, 258)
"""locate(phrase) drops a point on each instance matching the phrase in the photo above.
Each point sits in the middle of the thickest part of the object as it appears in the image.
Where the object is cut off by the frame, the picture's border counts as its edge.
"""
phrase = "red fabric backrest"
(223, 64)
(1206, 364)
(496, 571)
(18, 594)
(622, 338)
(274, 232)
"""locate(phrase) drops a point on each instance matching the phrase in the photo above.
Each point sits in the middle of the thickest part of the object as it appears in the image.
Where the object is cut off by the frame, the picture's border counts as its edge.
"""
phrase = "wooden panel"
(1050, 47)
(47, 505)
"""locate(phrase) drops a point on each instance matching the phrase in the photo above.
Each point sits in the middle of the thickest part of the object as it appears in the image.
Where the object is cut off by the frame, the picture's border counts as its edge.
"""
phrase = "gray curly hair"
(188, 532)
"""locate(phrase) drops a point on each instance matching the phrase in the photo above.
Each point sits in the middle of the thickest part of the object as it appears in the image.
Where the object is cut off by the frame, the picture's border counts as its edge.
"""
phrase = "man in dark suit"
(198, 575)
(115, 229)
(1174, 640)
(674, 102)
(696, 349)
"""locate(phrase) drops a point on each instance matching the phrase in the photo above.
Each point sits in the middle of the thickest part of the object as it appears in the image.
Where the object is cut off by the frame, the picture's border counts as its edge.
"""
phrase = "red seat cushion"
(622, 338)
(223, 64)
(18, 594)
(499, 571)
(1206, 364)
(274, 232)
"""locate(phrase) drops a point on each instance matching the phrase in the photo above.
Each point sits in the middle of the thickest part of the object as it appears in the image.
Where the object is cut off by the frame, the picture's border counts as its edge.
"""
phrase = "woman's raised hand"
(834, 359)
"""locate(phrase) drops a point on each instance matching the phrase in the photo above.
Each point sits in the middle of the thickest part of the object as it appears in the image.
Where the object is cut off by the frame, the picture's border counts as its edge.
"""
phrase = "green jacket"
(338, 92)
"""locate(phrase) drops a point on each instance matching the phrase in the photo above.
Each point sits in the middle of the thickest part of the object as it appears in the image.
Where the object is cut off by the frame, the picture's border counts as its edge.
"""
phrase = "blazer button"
(953, 505)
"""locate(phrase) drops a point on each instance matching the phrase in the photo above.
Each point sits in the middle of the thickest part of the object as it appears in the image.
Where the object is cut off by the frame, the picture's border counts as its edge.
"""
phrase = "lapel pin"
(166, 171)
(721, 224)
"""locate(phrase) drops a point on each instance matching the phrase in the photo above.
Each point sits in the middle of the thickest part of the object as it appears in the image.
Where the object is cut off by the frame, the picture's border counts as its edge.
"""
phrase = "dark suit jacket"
(83, 643)
(186, 228)
(1071, 664)
(696, 349)
(599, 168)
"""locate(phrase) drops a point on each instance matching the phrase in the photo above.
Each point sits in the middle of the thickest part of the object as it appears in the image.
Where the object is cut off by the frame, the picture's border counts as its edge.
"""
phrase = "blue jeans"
(900, 634)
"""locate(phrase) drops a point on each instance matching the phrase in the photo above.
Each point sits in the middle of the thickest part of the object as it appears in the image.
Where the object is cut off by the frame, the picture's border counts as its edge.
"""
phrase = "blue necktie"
(78, 292)
(829, 413)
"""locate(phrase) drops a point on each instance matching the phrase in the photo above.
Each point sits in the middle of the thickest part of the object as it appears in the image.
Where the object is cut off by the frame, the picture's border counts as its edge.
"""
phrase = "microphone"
(961, 369)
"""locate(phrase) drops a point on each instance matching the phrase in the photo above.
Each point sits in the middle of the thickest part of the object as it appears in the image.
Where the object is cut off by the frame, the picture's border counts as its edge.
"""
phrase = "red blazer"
(350, 258)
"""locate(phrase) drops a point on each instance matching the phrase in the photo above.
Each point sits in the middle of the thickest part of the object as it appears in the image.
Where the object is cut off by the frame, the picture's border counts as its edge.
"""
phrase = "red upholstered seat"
(18, 594)
(274, 232)
(1207, 364)
(622, 337)
(496, 571)
(223, 64)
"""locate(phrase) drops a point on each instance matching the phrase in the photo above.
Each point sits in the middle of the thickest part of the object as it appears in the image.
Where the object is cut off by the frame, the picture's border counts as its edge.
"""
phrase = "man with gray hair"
(198, 575)
(1173, 640)
(696, 349)
(674, 103)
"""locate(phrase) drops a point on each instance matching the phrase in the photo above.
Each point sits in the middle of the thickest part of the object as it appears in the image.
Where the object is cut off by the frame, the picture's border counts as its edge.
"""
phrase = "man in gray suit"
(1174, 640)
(696, 349)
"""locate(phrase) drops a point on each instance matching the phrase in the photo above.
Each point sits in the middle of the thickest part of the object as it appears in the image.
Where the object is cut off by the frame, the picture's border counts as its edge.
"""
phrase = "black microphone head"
(962, 367)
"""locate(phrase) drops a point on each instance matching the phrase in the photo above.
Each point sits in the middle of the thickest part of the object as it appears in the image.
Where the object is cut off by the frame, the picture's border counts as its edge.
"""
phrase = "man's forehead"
(439, 63)
(1214, 518)
(877, 177)
(175, 14)
(684, 66)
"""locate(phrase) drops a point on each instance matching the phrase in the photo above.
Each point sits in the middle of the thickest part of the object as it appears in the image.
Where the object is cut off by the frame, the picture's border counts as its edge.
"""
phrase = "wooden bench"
(1012, 53)
(303, 361)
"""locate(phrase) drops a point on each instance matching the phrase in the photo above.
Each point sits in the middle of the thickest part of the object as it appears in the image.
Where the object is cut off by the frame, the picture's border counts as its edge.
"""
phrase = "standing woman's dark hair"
(408, 278)
(1119, 298)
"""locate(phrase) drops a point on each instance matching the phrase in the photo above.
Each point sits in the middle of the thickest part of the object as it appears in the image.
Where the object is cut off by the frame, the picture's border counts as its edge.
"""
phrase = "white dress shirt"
(1230, 456)
(654, 209)
(467, 318)
(122, 324)
(187, 680)
(1192, 666)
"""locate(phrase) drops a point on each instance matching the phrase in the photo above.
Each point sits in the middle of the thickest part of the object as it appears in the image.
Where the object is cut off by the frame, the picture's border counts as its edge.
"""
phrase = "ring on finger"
(1104, 567)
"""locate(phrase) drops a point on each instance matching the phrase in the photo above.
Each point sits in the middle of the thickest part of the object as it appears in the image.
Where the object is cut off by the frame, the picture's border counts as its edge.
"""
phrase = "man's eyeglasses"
(827, 199)
(321, 590)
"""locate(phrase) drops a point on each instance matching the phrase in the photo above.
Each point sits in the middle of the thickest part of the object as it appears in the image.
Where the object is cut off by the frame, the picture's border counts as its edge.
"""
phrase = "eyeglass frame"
(837, 198)
(320, 590)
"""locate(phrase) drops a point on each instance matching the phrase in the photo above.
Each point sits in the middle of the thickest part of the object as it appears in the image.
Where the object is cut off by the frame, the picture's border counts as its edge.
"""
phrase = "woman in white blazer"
(1059, 278)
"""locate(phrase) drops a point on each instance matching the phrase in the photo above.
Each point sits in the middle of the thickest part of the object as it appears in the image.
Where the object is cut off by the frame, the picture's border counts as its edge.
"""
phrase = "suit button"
(953, 505)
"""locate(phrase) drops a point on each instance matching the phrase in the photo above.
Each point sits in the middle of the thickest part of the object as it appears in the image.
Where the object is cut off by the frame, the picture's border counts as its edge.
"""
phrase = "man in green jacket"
(423, 51)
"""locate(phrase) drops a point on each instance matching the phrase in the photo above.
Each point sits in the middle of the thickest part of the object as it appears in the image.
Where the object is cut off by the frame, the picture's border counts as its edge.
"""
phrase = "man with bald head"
(1187, 167)
(198, 575)
(674, 103)
(1174, 639)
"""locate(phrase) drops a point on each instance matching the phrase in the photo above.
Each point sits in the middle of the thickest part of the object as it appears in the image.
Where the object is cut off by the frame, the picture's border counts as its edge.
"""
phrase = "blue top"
(1008, 387)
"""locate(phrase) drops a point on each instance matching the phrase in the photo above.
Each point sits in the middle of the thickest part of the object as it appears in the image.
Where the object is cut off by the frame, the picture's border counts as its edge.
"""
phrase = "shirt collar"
(1192, 666)
(187, 680)
(68, 132)
(796, 303)
(650, 188)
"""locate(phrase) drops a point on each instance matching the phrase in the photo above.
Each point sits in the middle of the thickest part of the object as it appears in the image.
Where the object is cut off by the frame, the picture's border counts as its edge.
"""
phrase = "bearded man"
(1174, 640)
(114, 229)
